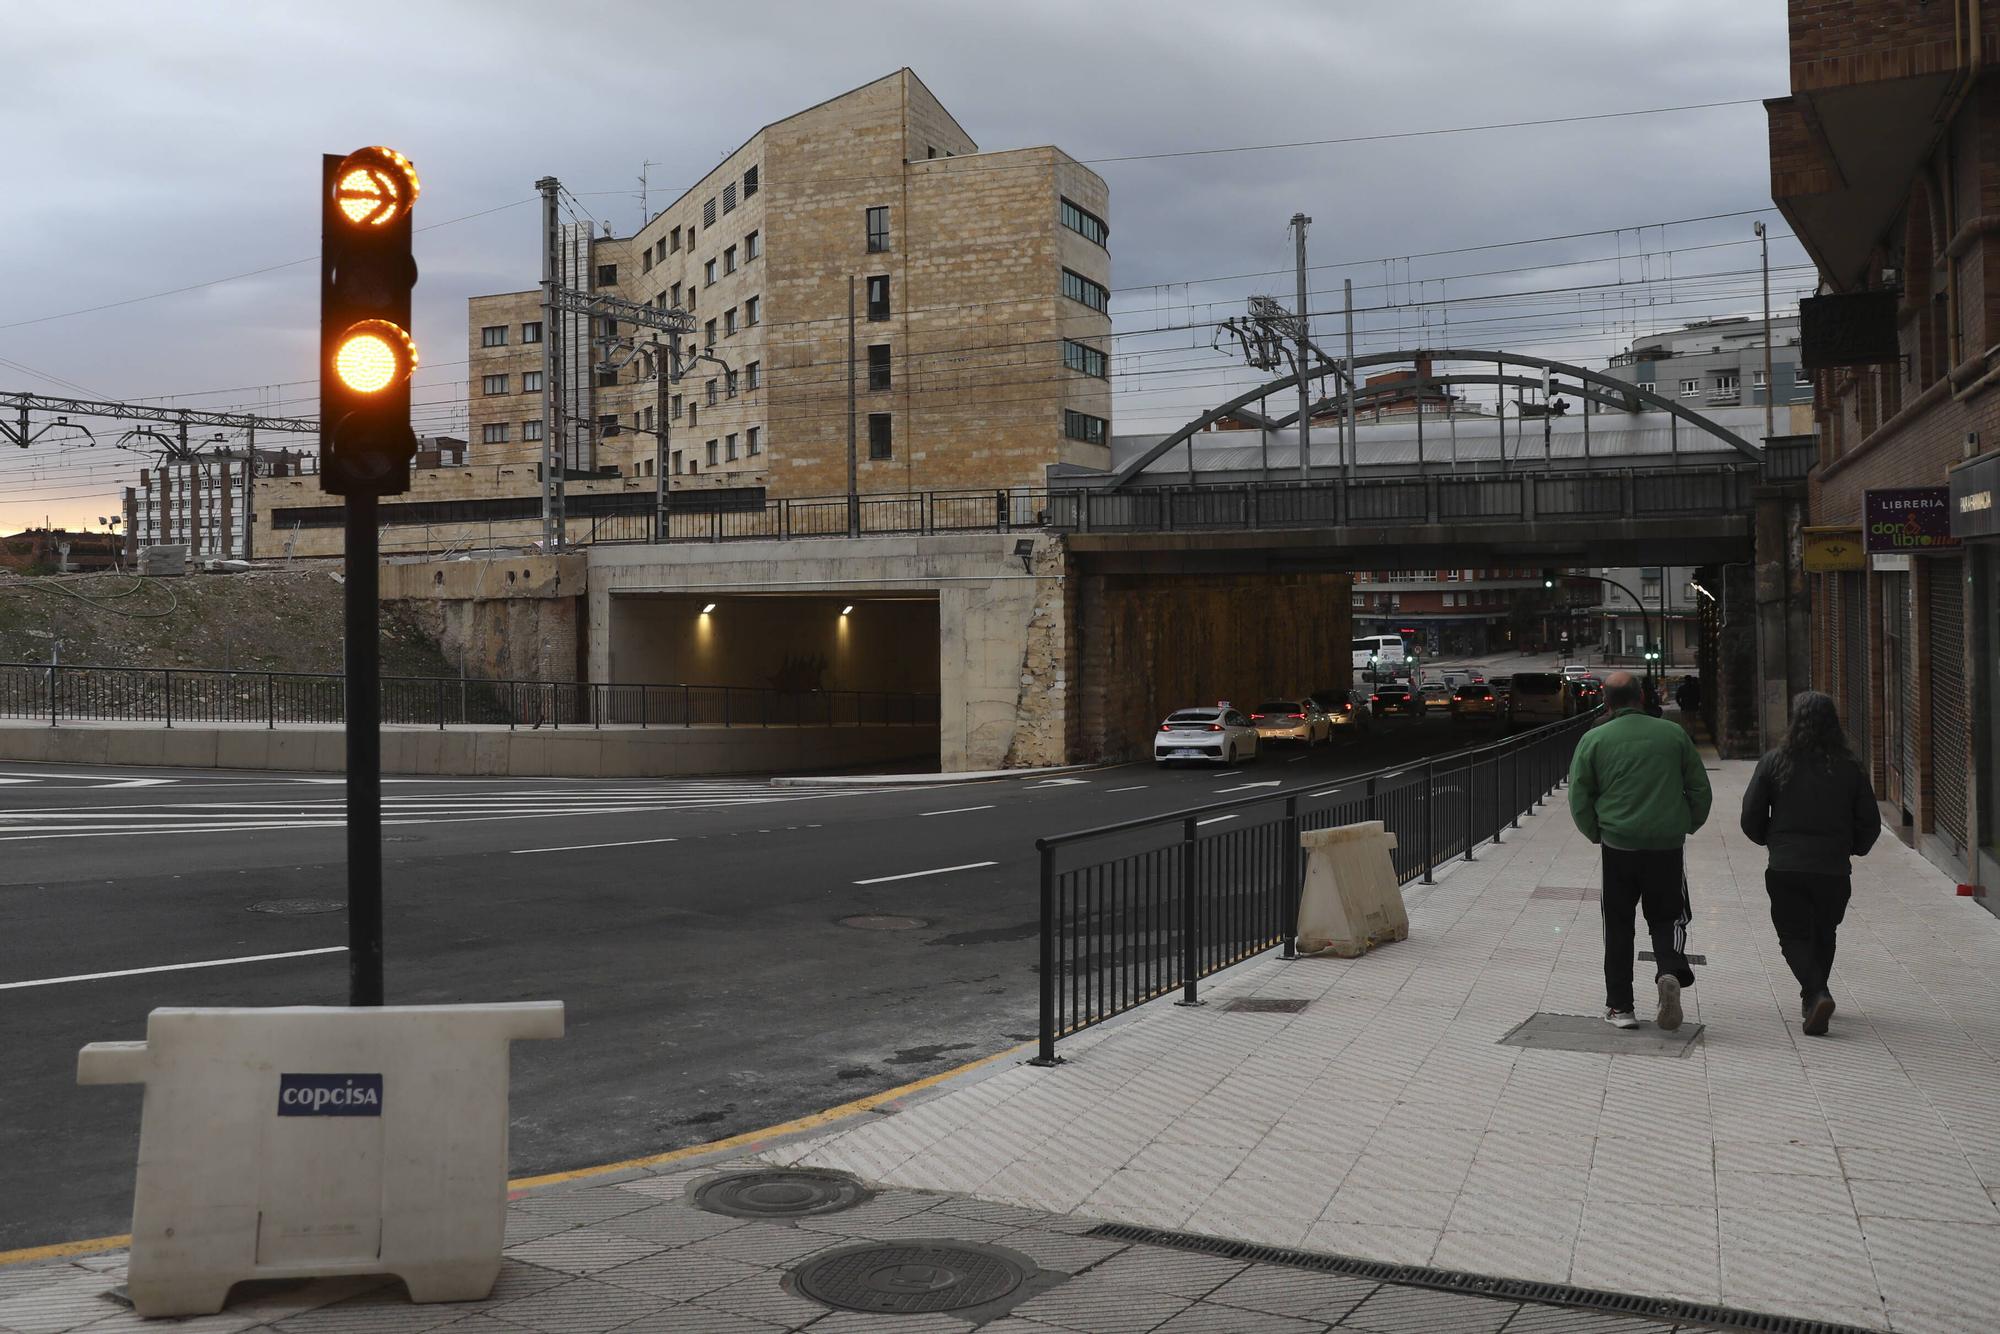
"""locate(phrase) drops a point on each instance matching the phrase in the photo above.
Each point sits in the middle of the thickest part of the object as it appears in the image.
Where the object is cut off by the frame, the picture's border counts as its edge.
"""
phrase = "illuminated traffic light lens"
(373, 355)
(375, 186)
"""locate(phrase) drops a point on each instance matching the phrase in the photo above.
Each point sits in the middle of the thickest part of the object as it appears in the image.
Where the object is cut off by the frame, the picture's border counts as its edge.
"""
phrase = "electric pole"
(853, 482)
(1353, 444)
(1770, 390)
(552, 370)
(1299, 224)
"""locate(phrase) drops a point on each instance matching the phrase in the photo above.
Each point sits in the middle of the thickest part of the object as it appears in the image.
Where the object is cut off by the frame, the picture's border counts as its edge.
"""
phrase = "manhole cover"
(793, 1193)
(884, 922)
(1589, 1033)
(298, 907)
(896, 1278)
(1266, 1005)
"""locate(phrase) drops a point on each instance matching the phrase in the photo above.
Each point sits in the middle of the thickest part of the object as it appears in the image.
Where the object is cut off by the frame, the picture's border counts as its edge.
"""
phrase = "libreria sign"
(329, 1095)
(1906, 519)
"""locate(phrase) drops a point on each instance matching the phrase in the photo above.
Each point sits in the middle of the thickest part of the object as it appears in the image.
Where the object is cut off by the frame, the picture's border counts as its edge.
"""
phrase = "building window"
(729, 322)
(1646, 385)
(1802, 378)
(753, 375)
(1082, 426)
(1079, 288)
(531, 332)
(493, 384)
(729, 260)
(708, 214)
(649, 420)
(712, 457)
(749, 182)
(532, 430)
(677, 463)
(607, 379)
(607, 425)
(531, 382)
(694, 415)
(692, 289)
(660, 251)
(879, 439)
(878, 366)
(708, 332)
(607, 275)
(493, 433)
(674, 239)
(1690, 387)
(675, 407)
(711, 393)
(1725, 384)
(1083, 357)
(878, 229)
(1085, 223)
(675, 294)
(729, 197)
(753, 310)
(729, 446)
(1756, 379)
(493, 335)
(878, 297)
(708, 274)
(750, 441)
(646, 260)
(609, 326)
(753, 246)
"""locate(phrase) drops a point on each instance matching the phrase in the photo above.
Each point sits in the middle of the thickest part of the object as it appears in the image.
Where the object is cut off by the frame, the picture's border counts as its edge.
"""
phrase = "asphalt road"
(692, 927)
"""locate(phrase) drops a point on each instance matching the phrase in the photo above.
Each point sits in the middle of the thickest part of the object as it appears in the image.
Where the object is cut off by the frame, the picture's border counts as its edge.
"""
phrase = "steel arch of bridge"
(1593, 386)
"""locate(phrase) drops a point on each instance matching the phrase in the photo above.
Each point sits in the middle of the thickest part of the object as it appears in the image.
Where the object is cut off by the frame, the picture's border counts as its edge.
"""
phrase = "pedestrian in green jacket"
(1637, 788)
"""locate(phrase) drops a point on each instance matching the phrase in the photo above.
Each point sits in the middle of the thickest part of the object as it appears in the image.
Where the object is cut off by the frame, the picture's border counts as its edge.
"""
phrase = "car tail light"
(1347, 707)
(1166, 727)
(1374, 699)
(1215, 727)
(1486, 694)
(1295, 717)
(1255, 716)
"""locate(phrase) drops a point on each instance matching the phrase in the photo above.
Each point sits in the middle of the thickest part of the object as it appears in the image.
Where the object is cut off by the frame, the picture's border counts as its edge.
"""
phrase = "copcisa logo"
(329, 1095)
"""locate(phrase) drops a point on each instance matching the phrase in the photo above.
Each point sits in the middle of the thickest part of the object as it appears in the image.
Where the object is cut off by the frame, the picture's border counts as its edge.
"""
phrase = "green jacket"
(1637, 783)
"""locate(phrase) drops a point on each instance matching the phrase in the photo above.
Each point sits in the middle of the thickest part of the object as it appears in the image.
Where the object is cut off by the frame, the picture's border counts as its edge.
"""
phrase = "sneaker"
(1670, 1002)
(1621, 1019)
(1819, 1015)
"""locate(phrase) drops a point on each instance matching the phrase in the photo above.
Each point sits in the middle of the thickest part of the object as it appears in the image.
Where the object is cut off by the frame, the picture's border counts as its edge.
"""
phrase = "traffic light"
(366, 353)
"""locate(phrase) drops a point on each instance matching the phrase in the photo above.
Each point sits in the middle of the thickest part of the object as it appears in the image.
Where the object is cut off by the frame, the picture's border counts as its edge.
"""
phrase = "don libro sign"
(1907, 520)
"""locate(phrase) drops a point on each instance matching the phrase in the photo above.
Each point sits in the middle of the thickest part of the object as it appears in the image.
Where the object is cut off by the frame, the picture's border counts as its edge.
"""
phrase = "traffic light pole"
(364, 754)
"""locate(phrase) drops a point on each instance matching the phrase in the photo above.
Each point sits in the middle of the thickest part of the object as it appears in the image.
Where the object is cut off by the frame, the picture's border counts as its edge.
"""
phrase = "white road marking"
(172, 967)
(1140, 787)
(1215, 819)
(1060, 782)
(1245, 787)
(912, 875)
(957, 810)
(581, 847)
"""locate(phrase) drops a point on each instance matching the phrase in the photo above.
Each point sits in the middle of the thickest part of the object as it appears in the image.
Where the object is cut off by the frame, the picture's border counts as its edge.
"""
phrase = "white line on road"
(1245, 787)
(1139, 787)
(583, 847)
(173, 967)
(912, 875)
(1215, 819)
(956, 810)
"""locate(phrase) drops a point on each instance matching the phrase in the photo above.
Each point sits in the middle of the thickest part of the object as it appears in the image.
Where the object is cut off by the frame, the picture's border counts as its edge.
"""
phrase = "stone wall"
(516, 618)
(1150, 644)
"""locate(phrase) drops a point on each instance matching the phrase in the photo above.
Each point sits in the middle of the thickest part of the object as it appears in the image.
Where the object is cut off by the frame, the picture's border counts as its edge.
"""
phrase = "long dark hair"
(1814, 739)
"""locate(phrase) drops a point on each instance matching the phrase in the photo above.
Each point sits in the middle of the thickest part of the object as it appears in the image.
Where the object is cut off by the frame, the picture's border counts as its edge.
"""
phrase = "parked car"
(1570, 669)
(1534, 698)
(1436, 693)
(1399, 700)
(1214, 736)
(1298, 720)
(1474, 703)
(1581, 694)
(1347, 712)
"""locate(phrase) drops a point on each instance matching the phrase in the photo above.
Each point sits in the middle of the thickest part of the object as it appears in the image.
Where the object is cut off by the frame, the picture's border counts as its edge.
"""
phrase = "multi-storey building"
(1718, 363)
(977, 352)
(205, 501)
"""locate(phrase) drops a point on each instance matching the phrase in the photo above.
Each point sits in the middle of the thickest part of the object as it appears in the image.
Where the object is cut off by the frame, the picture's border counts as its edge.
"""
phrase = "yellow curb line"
(62, 1249)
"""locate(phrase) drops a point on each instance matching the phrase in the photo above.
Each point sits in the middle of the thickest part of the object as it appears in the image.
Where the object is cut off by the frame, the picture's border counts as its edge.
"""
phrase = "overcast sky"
(155, 147)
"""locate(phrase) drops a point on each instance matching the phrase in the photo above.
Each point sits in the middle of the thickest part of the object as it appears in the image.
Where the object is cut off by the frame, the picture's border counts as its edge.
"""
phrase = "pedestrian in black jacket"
(1811, 804)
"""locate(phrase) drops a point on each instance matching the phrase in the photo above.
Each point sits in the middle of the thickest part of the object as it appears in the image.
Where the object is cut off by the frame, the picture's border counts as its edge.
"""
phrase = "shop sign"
(1828, 549)
(1973, 513)
(1909, 520)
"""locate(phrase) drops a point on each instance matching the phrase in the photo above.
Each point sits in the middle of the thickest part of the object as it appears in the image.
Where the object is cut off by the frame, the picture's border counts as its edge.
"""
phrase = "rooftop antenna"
(645, 212)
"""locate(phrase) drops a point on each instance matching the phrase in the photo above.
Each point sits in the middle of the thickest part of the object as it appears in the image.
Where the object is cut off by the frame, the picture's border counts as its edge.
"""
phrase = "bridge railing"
(60, 693)
(1134, 911)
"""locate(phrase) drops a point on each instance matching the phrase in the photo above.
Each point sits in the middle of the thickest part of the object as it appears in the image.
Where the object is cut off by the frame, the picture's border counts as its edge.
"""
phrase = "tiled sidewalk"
(1848, 1178)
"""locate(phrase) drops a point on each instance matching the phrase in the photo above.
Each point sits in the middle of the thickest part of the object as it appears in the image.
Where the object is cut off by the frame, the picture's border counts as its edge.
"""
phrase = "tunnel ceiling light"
(709, 608)
(847, 609)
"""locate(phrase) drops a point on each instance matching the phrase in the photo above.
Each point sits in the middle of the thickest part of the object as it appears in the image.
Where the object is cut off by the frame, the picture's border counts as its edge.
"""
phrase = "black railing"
(170, 695)
(1134, 911)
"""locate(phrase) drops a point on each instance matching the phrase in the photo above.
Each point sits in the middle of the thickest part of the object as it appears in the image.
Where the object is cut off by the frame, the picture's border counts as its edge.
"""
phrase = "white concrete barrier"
(312, 1141)
(1352, 897)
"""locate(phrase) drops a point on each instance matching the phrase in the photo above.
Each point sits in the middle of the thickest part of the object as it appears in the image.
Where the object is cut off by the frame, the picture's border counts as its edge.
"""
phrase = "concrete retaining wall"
(612, 752)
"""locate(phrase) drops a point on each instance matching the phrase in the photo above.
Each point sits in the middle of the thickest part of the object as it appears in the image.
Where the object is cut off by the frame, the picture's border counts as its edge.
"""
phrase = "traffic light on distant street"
(366, 354)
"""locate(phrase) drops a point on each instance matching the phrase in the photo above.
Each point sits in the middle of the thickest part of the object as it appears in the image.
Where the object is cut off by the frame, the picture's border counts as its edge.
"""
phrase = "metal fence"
(1134, 911)
(170, 695)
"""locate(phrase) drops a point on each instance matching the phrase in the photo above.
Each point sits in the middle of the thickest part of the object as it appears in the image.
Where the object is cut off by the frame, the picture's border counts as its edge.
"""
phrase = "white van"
(1382, 652)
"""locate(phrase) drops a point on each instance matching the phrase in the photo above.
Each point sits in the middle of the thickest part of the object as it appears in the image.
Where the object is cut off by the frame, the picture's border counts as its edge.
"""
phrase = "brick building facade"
(1885, 158)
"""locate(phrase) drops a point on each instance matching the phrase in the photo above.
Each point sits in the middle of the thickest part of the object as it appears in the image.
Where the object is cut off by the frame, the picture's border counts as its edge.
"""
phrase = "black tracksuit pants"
(1655, 882)
(1807, 908)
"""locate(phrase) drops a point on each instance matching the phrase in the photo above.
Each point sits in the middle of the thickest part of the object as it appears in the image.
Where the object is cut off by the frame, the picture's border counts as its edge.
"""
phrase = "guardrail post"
(725, 706)
(270, 710)
(1374, 800)
(645, 694)
(1430, 821)
(55, 682)
(1293, 872)
(1470, 818)
(440, 703)
(596, 705)
(687, 706)
(1514, 800)
(167, 694)
(1045, 1053)
(513, 705)
(1190, 915)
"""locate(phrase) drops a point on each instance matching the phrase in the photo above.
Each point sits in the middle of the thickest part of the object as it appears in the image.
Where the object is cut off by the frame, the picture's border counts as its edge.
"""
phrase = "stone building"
(1886, 162)
(980, 282)
(1718, 363)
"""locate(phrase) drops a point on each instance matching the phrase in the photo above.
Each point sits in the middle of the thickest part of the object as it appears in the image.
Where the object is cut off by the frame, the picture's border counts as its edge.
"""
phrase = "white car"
(1572, 670)
(1217, 735)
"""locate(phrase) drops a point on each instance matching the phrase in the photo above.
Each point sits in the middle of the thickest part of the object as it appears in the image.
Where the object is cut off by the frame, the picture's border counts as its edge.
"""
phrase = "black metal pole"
(364, 756)
(1045, 1052)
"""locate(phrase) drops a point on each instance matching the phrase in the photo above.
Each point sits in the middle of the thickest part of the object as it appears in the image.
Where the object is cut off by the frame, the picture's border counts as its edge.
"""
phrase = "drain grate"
(781, 1193)
(901, 1278)
(883, 922)
(1455, 1280)
(298, 907)
(1692, 958)
(1266, 1005)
